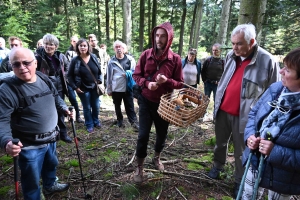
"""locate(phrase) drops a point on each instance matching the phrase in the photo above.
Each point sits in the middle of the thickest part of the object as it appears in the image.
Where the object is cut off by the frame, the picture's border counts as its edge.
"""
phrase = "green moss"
(207, 158)
(4, 190)
(226, 198)
(108, 175)
(6, 159)
(211, 141)
(123, 140)
(129, 191)
(72, 163)
(194, 166)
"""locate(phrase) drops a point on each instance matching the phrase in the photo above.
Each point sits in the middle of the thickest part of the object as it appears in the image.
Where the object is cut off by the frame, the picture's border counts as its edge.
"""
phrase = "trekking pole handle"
(71, 108)
(15, 141)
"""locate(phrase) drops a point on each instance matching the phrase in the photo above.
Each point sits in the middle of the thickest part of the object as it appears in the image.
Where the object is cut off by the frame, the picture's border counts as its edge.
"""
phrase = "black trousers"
(61, 118)
(147, 115)
(128, 103)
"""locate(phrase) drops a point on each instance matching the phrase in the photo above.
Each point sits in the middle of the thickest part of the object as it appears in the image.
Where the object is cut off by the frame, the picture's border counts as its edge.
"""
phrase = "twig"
(107, 145)
(115, 184)
(131, 159)
(184, 134)
(170, 161)
(159, 192)
(180, 193)
(188, 176)
(6, 170)
(170, 143)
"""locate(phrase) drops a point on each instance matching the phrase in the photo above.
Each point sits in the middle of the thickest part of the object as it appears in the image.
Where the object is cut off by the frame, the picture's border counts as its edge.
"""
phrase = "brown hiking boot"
(138, 174)
(158, 165)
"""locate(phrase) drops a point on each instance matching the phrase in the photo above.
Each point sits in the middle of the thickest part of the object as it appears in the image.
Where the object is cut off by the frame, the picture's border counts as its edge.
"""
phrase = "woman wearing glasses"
(276, 117)
(54, 64)
(191, 68)
(84, 72)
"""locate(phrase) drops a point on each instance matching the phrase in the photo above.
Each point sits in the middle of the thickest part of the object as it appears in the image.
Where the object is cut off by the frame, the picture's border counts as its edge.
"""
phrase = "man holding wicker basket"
(158, 72)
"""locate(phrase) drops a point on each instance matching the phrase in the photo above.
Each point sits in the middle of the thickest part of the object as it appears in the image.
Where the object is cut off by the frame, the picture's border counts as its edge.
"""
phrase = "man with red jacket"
(158, 72)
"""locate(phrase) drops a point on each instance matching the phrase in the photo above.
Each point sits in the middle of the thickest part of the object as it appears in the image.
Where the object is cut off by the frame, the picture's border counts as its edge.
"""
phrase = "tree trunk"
(224, 22)
(198, 23)
(127, 23)
(115, 22)
(98, 21)
(253, 11)
(154, 13)
(107, 20)
(142, 27)
(67, 19)
(193, 26)
(149, 24)
(182, 27)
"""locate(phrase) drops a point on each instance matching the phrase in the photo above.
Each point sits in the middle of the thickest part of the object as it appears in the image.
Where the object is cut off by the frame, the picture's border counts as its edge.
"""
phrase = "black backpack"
(25, 100)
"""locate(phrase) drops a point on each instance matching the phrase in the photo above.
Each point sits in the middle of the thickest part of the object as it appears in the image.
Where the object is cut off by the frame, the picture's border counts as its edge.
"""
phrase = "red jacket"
(149, 66)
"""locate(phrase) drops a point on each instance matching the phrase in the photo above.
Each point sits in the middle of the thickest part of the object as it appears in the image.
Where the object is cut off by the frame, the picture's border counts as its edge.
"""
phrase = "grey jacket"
(116, 75)
(261, 72)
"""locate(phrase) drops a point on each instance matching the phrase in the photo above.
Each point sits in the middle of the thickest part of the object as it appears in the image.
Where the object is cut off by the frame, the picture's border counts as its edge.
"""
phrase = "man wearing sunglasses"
(33, 124)
(14, 42)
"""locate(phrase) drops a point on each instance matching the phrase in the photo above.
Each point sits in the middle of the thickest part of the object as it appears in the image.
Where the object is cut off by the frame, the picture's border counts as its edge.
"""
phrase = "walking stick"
(245, 172)
(86, 196)
(260, 169)
(15, 141)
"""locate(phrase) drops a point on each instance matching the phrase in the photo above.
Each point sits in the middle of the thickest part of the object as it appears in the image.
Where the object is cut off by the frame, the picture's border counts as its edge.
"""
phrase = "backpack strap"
(25, 100)
(16, 87)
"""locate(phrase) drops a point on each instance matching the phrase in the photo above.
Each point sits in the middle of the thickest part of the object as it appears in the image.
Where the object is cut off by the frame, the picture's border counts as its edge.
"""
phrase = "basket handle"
(198, 97)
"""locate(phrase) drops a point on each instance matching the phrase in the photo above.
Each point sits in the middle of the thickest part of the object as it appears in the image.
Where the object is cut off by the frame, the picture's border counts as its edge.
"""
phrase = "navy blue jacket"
(282, 167)
(197, 63)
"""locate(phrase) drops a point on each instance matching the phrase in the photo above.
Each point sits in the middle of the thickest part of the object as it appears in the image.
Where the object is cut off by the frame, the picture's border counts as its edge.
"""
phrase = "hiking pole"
(245, 172)
(15, 141)
(260, 169)
(86, 196)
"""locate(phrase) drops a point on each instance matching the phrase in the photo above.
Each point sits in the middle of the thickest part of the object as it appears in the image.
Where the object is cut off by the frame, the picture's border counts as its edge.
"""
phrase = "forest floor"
(108, 166)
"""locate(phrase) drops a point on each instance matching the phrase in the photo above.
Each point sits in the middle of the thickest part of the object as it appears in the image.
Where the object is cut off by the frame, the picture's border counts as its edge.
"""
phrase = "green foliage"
(108, 175)
(6, 160)
(226, 198)
(129, 191)
(123, 140)
(211, 141)
(4, 190)
(111, 155)
(194, 166)
(72, 163)
(230, 147)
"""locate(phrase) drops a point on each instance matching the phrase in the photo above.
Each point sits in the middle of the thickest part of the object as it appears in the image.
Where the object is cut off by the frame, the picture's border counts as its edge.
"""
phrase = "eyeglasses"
(282, 109)
(24, 63)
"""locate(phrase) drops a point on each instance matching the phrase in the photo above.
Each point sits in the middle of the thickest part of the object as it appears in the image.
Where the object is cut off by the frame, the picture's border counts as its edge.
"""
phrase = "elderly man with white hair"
(249, 70)
(119, 76)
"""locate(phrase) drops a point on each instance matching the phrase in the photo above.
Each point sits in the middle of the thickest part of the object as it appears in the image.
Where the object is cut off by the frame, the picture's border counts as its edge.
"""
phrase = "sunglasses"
(24, 63)
(282, 109)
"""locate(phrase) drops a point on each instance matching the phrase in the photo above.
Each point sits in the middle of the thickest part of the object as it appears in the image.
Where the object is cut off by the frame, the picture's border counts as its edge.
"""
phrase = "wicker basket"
(180, 115)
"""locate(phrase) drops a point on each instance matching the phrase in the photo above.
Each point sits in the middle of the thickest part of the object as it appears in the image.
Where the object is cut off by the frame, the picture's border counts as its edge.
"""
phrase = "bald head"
(23, 63)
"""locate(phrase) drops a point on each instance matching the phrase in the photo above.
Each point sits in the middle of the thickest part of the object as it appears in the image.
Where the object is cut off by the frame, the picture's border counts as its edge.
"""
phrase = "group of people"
(248, 98)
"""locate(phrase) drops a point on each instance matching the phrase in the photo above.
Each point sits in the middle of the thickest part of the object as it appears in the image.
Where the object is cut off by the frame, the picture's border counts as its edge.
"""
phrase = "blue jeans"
(34, 164)
(91, 106)
(210, 87)
(73, 101)
(147, 115)
(127, 98)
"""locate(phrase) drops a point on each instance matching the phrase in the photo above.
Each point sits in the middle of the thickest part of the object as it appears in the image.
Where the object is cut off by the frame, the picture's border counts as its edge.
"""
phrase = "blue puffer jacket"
(282, 167)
